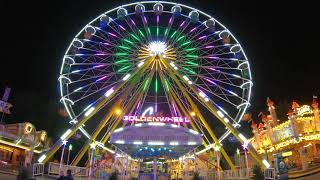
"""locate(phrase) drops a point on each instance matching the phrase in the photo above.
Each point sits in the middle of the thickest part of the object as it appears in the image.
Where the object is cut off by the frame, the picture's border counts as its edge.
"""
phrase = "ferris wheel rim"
(70, 110)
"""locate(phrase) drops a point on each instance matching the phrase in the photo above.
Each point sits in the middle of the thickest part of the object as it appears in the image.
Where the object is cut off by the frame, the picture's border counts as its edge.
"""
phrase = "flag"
(5, 107)
(6, 94)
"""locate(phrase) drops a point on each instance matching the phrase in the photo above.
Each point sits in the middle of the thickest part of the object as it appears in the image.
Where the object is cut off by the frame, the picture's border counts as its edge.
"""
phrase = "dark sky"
(279, 40)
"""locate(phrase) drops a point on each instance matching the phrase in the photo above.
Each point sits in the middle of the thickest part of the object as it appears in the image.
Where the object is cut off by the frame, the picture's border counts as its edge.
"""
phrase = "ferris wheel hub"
(157, 48)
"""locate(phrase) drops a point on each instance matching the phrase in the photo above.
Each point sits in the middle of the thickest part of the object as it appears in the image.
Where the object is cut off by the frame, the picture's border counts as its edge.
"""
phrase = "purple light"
(133, 22)
(214, 69)
(208, 47)
(101, 65)
(170, 21)
(100, 54)
(245, 146)
(112, 34)
(145, 19)
(106, 43)
(213, 57)
(182, 23)
(157, 19)
(137, 108)
(102, 78)
(122, 27)
(210, 81)
(202, 37)
(193, 29)
(174, 108)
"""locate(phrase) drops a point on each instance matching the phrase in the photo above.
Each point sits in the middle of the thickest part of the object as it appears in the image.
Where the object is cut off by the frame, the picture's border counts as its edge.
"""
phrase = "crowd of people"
(67, 177)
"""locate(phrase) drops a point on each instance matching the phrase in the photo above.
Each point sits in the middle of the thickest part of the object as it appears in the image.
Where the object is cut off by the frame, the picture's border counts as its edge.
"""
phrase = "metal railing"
(53, 169)
(37, 169)
(244, 173)
(269, 173)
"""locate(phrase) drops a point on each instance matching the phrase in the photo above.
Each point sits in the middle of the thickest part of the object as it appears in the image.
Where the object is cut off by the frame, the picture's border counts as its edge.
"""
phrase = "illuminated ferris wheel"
(155, 58)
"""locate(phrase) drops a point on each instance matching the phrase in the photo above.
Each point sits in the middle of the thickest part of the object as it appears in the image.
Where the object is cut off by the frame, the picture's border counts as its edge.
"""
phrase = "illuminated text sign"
(156, 119)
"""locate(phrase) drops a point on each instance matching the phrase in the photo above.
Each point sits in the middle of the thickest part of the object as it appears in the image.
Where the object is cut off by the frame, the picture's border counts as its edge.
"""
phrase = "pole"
(246, 156)
(218, 164)
(91, 161)
(62, 154)
(68, 156)
(239, 155)
(154, 168)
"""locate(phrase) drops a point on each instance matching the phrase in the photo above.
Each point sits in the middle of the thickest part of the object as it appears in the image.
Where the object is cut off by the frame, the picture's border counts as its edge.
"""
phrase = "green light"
(167, 84)
(124, 47)
(121, 54)
(70, 147)
(190, 49)
(121, 61)
(135, 37)
(141, 33)
(156, 85)
(128, 41)
(180, 38)
(124, 68)
(166, 32)
(186, 43)
(149, 30)
(192, 63)
(191, 56)
(157, 31)
(145, 85)
(174, 33)
(189, 70)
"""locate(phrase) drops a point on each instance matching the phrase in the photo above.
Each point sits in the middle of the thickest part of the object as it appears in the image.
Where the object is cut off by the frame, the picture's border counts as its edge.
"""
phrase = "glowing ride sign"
(156, 119)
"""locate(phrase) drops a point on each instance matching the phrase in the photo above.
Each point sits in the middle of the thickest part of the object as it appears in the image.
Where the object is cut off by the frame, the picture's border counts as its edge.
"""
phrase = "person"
(69, 175)
(61, 177)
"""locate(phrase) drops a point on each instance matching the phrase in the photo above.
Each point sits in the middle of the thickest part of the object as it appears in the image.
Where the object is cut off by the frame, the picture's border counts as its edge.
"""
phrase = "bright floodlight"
(157, 47)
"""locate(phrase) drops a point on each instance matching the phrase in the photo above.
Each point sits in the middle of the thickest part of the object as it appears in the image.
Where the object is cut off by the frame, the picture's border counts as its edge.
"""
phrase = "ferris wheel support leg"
(177, 101)
(102, 124)
(213, 110)
(133, 104)
(70, 132)
(213, 136)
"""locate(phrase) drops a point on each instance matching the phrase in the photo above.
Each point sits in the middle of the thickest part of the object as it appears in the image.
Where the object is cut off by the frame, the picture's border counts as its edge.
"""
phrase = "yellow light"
(6, 148)
(192, 113)
(118, 111)
(19, 146)
(286, 154)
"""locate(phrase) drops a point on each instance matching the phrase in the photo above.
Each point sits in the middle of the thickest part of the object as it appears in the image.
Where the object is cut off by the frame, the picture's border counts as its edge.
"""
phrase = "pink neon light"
(102, 78)
(133, 22)
(210, 81)
(170, 21)
(156, 119)
(202, 37)
(182, 23)
(122, 27)
(193, 29)
(101, 65)
(213, 57)
(157, 19)
(208, 47)
(145, 19)
(112, 34)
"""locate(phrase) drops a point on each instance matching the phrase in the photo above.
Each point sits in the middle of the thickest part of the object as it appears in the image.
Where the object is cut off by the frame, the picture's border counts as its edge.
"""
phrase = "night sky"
(279, 40)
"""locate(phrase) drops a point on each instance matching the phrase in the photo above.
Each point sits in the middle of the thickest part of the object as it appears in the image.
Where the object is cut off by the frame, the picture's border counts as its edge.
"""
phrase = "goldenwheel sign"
(156, 119)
